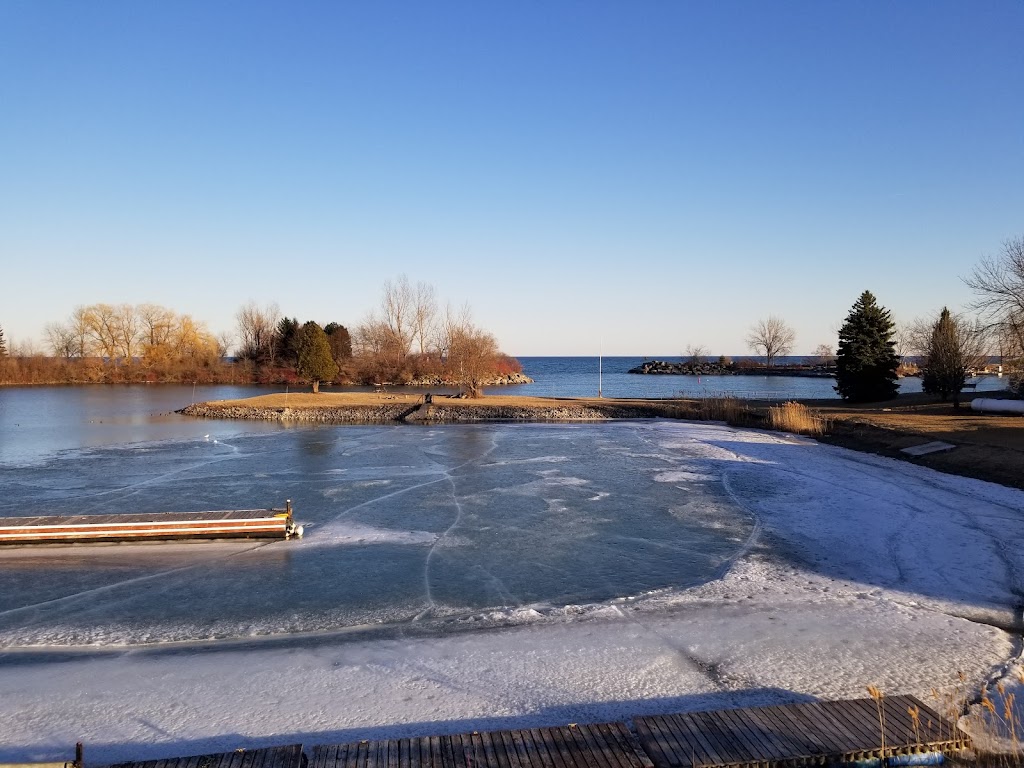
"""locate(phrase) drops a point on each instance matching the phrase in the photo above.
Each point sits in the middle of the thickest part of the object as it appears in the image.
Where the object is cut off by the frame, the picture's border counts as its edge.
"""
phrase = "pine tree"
(340, 340)
(3, 344)
(867, 361)
(954, 347)
(286, 341)
(316, 363)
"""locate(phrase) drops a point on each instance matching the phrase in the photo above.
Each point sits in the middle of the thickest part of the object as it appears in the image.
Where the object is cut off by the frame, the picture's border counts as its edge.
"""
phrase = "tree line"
(408, 338)
(872, 348)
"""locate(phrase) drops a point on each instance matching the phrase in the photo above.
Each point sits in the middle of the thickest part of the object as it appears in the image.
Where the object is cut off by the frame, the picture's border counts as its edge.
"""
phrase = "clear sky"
(642, 175)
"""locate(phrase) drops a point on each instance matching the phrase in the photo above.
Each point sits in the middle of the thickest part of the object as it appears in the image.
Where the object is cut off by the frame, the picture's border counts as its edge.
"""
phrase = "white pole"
(600, 367)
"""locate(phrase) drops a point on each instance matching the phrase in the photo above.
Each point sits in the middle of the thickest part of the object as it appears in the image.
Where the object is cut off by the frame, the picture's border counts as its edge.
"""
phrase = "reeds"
(797, 418)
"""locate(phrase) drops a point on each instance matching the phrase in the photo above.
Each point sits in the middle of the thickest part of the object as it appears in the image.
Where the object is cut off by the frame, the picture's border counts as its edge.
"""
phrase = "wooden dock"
(608, 745)
(290, 756)
(65, 529)
(786, 736)
(821, 733)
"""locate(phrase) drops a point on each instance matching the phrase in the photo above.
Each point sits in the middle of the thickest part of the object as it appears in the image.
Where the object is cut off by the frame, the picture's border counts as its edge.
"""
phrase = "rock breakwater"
(661, 367)
(432, 413)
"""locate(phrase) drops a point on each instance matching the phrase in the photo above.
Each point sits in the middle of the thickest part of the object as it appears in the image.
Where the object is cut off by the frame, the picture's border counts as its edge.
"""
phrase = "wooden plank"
(780, 732)
(652, 740)
(524, 750)
(490, 752)
(592, 751)
(690, 726)
(749, 734)
(771, 745)
(803, 731)
(630, 754)
(896, 708)
(557, 759)
(837, 738)
(720, 743)
(605, 745)
(508, 747)
(735, 751)
(865, 721)
(434, 750)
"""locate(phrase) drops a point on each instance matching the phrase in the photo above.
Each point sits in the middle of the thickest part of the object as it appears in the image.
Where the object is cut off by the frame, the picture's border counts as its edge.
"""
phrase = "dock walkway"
(70, 529)
(784, 736)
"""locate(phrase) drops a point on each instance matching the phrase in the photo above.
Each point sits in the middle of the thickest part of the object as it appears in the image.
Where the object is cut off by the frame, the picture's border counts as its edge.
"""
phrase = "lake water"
(578, 377)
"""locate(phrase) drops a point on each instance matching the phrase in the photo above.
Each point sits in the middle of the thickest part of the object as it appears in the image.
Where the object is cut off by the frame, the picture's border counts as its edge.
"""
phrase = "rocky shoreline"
(426, 413)
(661, 367)
(498, 381)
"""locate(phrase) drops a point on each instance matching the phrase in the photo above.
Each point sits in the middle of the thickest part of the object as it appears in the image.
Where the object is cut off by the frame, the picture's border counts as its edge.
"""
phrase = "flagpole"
(600, 367)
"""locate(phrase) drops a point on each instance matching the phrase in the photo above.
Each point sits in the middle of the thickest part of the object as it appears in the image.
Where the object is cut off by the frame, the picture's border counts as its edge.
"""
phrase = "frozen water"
(402, 524)
(621, 568)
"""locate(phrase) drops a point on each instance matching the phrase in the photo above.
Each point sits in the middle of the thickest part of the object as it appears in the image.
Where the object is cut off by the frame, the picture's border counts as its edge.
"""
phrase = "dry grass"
(797, 418)
(991, 721)
(728, 409)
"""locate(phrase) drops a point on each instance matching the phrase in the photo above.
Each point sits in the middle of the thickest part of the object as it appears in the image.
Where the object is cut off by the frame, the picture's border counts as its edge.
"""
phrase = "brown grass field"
(988, 446)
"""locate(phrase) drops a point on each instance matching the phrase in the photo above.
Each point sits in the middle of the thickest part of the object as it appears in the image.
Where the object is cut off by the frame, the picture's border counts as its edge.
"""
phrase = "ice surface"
(492, 576)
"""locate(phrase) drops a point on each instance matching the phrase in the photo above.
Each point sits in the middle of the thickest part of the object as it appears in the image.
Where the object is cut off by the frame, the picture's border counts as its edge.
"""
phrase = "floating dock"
(824, 733)
(65, 529)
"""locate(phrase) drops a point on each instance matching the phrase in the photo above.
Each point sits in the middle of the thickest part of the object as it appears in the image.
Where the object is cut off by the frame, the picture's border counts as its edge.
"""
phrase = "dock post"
(288, 506)
(79, 761)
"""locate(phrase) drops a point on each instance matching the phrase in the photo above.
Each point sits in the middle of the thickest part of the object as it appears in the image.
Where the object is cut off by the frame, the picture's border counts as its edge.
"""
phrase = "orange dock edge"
(68, 529)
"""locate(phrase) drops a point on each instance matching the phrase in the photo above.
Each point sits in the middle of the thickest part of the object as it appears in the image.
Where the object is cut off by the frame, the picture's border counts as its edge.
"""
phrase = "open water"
(581, 377)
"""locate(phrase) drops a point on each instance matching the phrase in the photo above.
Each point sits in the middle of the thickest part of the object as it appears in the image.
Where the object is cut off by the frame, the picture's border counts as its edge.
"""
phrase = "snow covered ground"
(851, 570)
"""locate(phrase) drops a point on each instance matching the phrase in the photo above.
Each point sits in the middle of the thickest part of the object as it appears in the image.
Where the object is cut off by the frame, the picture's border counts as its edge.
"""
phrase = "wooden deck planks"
(787, 736)
(289, 756)
(794, 735)
(587, 746)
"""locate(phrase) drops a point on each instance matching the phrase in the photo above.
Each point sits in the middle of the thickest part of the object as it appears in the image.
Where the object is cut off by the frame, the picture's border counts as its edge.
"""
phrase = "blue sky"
(642, 175)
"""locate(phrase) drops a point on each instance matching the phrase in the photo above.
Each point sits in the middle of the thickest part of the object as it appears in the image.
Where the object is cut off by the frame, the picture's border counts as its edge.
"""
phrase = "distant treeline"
(408, 340)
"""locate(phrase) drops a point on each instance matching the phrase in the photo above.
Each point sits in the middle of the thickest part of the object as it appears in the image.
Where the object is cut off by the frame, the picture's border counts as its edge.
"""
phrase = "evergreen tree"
(867, 361)
(341, 341)
(3, 344)
(955, 346)
(286, 341)
(316, 363)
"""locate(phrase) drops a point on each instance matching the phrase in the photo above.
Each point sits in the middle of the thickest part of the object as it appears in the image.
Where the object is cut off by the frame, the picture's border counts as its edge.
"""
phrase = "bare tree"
(397, 313)
(156, 324)
(902, 336)
(450, 327)
(256, 330)
(999, 284)
(225, 343)
(61, 340)
(824, 354)
(696, 353)
(424, 316)
(472, 356)
(772, 338)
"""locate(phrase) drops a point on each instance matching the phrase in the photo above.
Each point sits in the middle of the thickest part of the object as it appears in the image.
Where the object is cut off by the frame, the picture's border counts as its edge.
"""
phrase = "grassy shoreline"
(988, 447)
